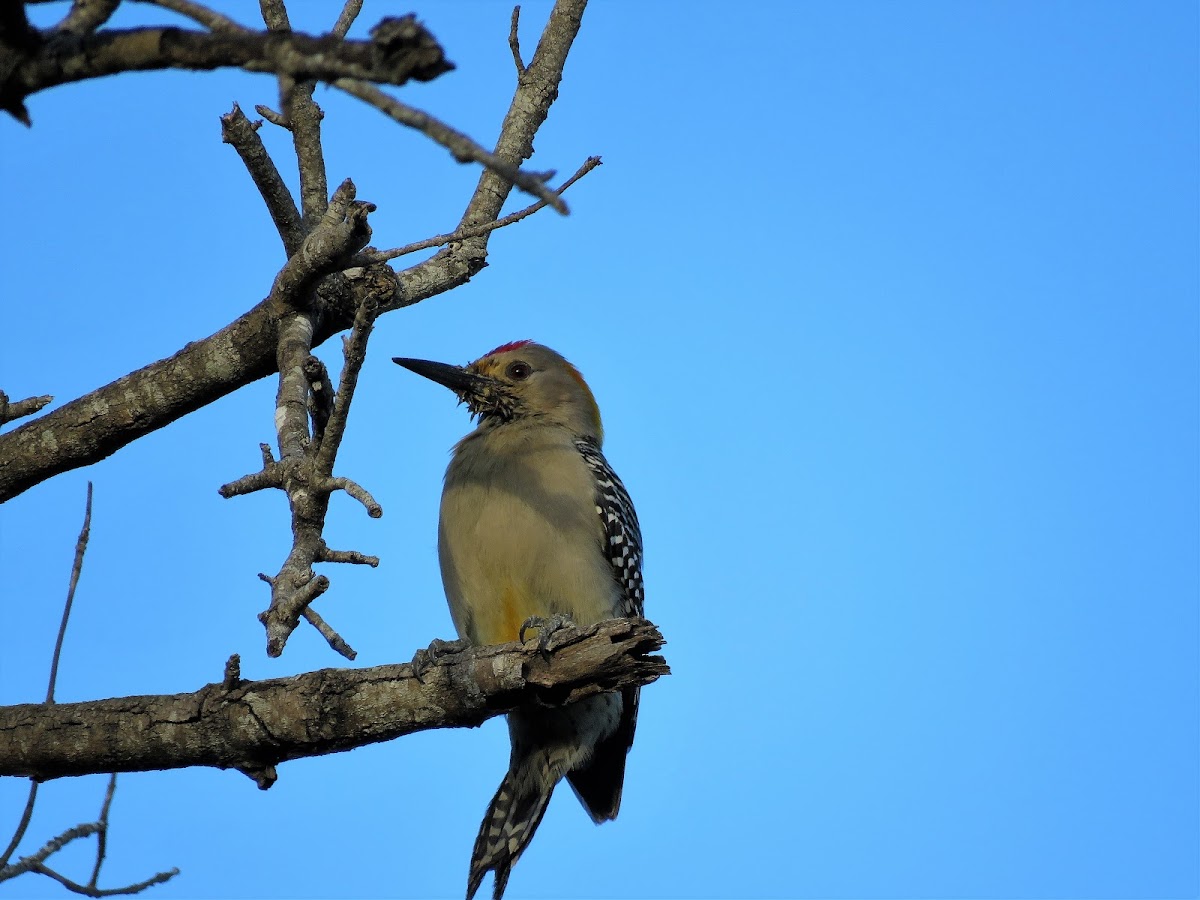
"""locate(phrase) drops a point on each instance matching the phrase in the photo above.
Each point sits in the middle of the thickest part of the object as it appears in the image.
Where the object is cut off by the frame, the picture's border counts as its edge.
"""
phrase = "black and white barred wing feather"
(620, 527)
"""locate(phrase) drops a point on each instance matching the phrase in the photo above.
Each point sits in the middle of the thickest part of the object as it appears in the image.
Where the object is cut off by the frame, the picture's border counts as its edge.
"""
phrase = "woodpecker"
(536, 529)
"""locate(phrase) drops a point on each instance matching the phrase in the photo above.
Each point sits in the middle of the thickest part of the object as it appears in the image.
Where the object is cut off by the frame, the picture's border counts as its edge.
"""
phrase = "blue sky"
(892, 311)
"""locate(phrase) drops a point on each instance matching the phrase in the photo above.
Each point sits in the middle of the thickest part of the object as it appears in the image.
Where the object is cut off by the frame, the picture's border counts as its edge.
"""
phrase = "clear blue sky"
(891, 310)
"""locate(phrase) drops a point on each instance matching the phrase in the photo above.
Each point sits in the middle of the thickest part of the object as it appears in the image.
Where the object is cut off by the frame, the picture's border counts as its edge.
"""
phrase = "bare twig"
(22, 826)
(36, 862)
(303, 117)
(86, 16)
(76, 570)
(536, 91)
(355, 354)
(349, 13)
(461, 147)
(28, 865)
(202, 14)
(21, 408)
(331, 710)
(239, 132)
(514, 40)
(102, 834)
(476, 231)
(271, 116)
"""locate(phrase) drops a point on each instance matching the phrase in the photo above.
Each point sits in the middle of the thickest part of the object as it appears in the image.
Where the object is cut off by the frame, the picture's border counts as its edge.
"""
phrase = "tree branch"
(306, 459)
(377, 256)
(92, 427)
(402, 51)
(21, 408)
(461, 147)
(240, 133)
(259, 724)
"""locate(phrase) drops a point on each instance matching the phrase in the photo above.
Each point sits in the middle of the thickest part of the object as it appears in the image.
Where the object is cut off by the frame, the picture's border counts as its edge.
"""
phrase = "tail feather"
(597, 782)
(508, 827)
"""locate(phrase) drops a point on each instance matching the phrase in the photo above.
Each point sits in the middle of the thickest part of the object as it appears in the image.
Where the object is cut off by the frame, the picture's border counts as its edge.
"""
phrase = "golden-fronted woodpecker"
(537, 528)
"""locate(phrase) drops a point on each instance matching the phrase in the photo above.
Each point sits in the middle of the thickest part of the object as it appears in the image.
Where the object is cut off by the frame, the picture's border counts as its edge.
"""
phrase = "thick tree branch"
(256, 725)
(94, 426)
(402, 51)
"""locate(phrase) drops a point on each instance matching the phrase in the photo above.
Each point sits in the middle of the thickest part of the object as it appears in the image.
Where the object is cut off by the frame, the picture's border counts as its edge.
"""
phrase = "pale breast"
(520, 535)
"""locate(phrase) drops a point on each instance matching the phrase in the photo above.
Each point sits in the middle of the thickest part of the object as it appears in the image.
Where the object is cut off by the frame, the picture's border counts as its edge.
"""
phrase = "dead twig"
(36, 862)
(375, 256)
(461, 147)
(21, 408)
(240, 133)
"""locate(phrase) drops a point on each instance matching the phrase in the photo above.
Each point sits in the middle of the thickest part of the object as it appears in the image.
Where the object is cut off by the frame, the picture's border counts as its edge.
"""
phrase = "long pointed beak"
(456, 378)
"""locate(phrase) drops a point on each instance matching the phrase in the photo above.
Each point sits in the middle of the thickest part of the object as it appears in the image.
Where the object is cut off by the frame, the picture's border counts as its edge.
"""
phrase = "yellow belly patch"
(502, 623)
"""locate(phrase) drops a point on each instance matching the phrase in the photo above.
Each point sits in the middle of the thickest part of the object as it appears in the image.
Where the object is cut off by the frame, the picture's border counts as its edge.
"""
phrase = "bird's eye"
(519, 371)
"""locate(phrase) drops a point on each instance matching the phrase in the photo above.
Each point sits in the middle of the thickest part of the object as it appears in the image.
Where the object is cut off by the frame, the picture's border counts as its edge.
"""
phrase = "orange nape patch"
(593, 407)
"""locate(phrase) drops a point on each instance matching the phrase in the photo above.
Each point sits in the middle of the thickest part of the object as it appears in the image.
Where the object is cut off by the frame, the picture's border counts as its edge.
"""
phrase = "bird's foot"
(548, 627)
(426, 658)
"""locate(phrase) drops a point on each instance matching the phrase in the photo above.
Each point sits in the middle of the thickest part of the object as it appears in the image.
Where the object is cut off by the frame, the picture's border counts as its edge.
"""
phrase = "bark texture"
(253, 725)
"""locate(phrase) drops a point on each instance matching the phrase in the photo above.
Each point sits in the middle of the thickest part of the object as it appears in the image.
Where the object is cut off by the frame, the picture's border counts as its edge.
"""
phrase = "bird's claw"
(425, 658)
(548, 627)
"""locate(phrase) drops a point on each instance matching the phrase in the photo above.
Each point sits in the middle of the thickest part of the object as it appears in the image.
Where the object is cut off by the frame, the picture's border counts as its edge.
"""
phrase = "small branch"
(36, 861)
(461, 147)
(22, 408)
(242, 135)
(348, 556)
(359, 493)
(86, 16)
(76, 569)
(463, 234)
(334, 639)
(274, 14)
(263, 723)
(233, 672)
(273, 117)
(349, 13)
(514, 41)
(22, 826)
(33, 862)
(303, 117)
(354, 354)
(102, 834)
(210, 19)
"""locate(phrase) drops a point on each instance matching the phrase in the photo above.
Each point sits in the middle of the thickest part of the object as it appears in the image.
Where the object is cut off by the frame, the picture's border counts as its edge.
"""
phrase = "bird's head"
(518, 382)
